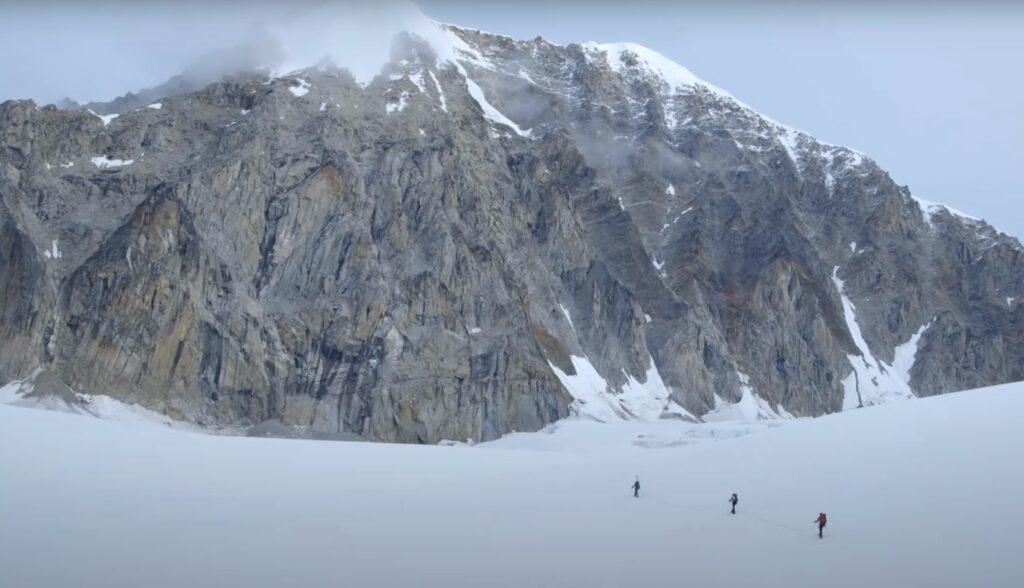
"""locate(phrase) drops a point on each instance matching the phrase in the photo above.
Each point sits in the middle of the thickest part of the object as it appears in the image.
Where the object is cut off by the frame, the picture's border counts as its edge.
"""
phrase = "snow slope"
(595, 400)
(919, 493)
(19, 393)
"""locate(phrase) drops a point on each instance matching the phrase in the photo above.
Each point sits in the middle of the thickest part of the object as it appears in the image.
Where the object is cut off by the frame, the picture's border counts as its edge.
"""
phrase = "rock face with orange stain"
(430, 255)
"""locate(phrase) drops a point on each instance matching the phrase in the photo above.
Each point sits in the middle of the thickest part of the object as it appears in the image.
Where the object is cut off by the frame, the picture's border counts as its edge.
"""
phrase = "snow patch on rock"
(906, 354)
(565, 311)
(589, 391)
(301, 90)
(106, 118)
(53, 252)
(440, 92)
(623, 56)
(929, 209)
(651, 399)
(104, 162)
(593, 400)
(750, 406)
(788, 137)
(490, 112)
(876, 380)
(393, 107)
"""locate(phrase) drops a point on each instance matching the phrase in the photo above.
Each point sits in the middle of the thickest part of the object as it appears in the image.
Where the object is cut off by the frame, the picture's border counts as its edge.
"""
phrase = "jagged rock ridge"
(489, 235)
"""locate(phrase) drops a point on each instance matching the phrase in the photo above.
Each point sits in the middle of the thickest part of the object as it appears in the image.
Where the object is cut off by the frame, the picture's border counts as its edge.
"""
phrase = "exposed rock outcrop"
(413, 259)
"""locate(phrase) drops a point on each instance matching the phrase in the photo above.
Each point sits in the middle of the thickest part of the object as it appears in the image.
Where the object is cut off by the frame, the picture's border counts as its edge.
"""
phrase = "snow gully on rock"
(487, 236)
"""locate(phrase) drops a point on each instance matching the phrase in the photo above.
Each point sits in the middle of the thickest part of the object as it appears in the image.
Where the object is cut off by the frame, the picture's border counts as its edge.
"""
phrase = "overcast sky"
(933, 93)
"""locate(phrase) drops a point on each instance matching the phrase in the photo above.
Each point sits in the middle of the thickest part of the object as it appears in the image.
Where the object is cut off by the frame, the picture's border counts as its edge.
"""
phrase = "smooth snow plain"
(918, 493)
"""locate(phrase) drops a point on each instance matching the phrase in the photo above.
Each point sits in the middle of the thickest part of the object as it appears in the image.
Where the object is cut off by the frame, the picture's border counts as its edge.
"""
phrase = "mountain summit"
(486, 236)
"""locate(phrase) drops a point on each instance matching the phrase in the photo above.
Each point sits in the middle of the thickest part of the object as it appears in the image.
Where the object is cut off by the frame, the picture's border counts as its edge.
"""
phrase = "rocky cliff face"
(489, 235)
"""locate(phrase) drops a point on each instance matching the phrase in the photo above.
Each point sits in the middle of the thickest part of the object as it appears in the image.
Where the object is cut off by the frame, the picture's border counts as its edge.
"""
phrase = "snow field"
(918, 493)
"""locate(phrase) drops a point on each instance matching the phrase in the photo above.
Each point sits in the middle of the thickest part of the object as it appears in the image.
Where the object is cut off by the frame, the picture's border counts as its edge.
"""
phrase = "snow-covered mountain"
(485, 237)
(918, 494)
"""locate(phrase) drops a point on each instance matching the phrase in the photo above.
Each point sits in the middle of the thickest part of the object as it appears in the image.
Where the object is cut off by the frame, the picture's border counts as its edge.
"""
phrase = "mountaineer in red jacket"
(821, 520)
